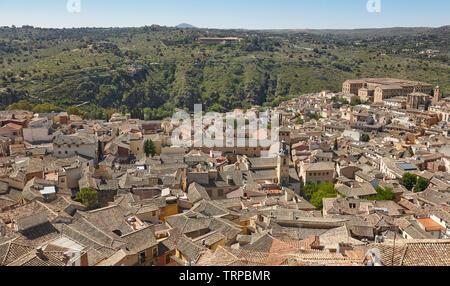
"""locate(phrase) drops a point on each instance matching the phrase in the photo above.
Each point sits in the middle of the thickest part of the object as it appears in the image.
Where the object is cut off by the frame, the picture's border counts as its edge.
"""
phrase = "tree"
(21, 105)
(309, 189)
(88, 197)
(422, 185)
(365, 138)
(74, 110)
(386, 194)
(336, 145)
(45, 108)
(313, 116)
(355, 102)
(299, 121)
(147, 113)
(343, 101)
(108, 113)
(150, 148)
(321, 191)
(409, 180)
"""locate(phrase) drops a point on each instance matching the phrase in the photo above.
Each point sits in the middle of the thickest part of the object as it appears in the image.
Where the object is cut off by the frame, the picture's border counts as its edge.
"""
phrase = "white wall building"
(68, 146)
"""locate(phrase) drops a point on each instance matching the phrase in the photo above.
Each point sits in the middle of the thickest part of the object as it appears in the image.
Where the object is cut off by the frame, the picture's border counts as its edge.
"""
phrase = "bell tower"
(437, 94)
(283, 165)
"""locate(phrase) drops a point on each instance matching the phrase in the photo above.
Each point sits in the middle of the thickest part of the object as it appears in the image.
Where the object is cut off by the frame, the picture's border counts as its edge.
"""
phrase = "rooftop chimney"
(314, 242)
(40, 253)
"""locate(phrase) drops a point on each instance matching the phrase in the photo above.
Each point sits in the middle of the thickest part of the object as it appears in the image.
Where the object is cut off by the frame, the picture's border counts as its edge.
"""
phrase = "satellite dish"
(373, 257)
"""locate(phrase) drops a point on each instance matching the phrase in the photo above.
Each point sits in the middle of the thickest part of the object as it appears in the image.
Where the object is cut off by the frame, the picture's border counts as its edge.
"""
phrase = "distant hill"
(153, 70)
(186, 26)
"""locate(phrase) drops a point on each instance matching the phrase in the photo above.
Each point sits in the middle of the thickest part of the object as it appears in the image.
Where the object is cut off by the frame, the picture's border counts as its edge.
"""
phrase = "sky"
(227, 14)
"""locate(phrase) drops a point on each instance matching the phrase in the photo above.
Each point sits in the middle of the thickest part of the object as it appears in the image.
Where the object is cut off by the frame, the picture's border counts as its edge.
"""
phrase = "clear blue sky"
(248, 14)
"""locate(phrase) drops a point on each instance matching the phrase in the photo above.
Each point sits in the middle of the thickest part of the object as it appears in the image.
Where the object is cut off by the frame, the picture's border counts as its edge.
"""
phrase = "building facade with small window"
(69, 146)
(322, 172)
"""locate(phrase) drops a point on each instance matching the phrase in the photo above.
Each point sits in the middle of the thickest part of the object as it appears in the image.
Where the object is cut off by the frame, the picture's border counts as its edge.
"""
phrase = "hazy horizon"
(230, 14)
(214, 28)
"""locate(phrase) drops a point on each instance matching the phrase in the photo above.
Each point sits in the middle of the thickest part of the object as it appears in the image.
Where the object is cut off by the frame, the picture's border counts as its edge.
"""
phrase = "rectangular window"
(220, 193)
(142, 258)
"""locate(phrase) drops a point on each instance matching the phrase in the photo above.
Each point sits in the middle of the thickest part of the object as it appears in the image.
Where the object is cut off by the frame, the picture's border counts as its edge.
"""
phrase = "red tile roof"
(430, 225)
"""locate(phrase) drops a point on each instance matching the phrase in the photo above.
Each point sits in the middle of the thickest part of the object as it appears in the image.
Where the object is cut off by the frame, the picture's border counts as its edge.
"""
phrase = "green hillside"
(149, 71)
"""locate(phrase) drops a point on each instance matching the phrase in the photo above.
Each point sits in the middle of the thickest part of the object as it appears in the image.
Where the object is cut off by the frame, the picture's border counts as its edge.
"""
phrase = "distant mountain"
(186, 26)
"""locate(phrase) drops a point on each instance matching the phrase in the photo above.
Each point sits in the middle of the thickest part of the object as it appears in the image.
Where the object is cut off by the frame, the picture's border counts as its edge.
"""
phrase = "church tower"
(283, 165)
(437, 94)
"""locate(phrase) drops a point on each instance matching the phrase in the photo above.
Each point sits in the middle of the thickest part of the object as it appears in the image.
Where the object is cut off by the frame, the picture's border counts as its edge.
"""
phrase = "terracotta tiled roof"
(430, 225)
(425, 252)
(10, 252)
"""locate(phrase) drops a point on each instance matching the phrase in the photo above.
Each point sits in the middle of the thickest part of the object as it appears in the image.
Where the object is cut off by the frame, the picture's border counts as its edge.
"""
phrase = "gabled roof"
(197, 193)
(188, 224)
(140, 240)
(209, 209)
(189, 249)
(11, 251)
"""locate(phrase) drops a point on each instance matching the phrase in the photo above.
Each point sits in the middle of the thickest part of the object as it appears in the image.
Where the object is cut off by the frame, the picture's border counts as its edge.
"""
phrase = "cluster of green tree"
(386, 194)
(315, 193)
(74, 110)
(414, 182)
(37, 108)
(313, 116)
(299, 121)
(150, 148)
(88, 197)
(343, 101)
(258, 43)
(171, 69)
(45, 108)
(355, 102)
(9, 96)
(365, 137)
